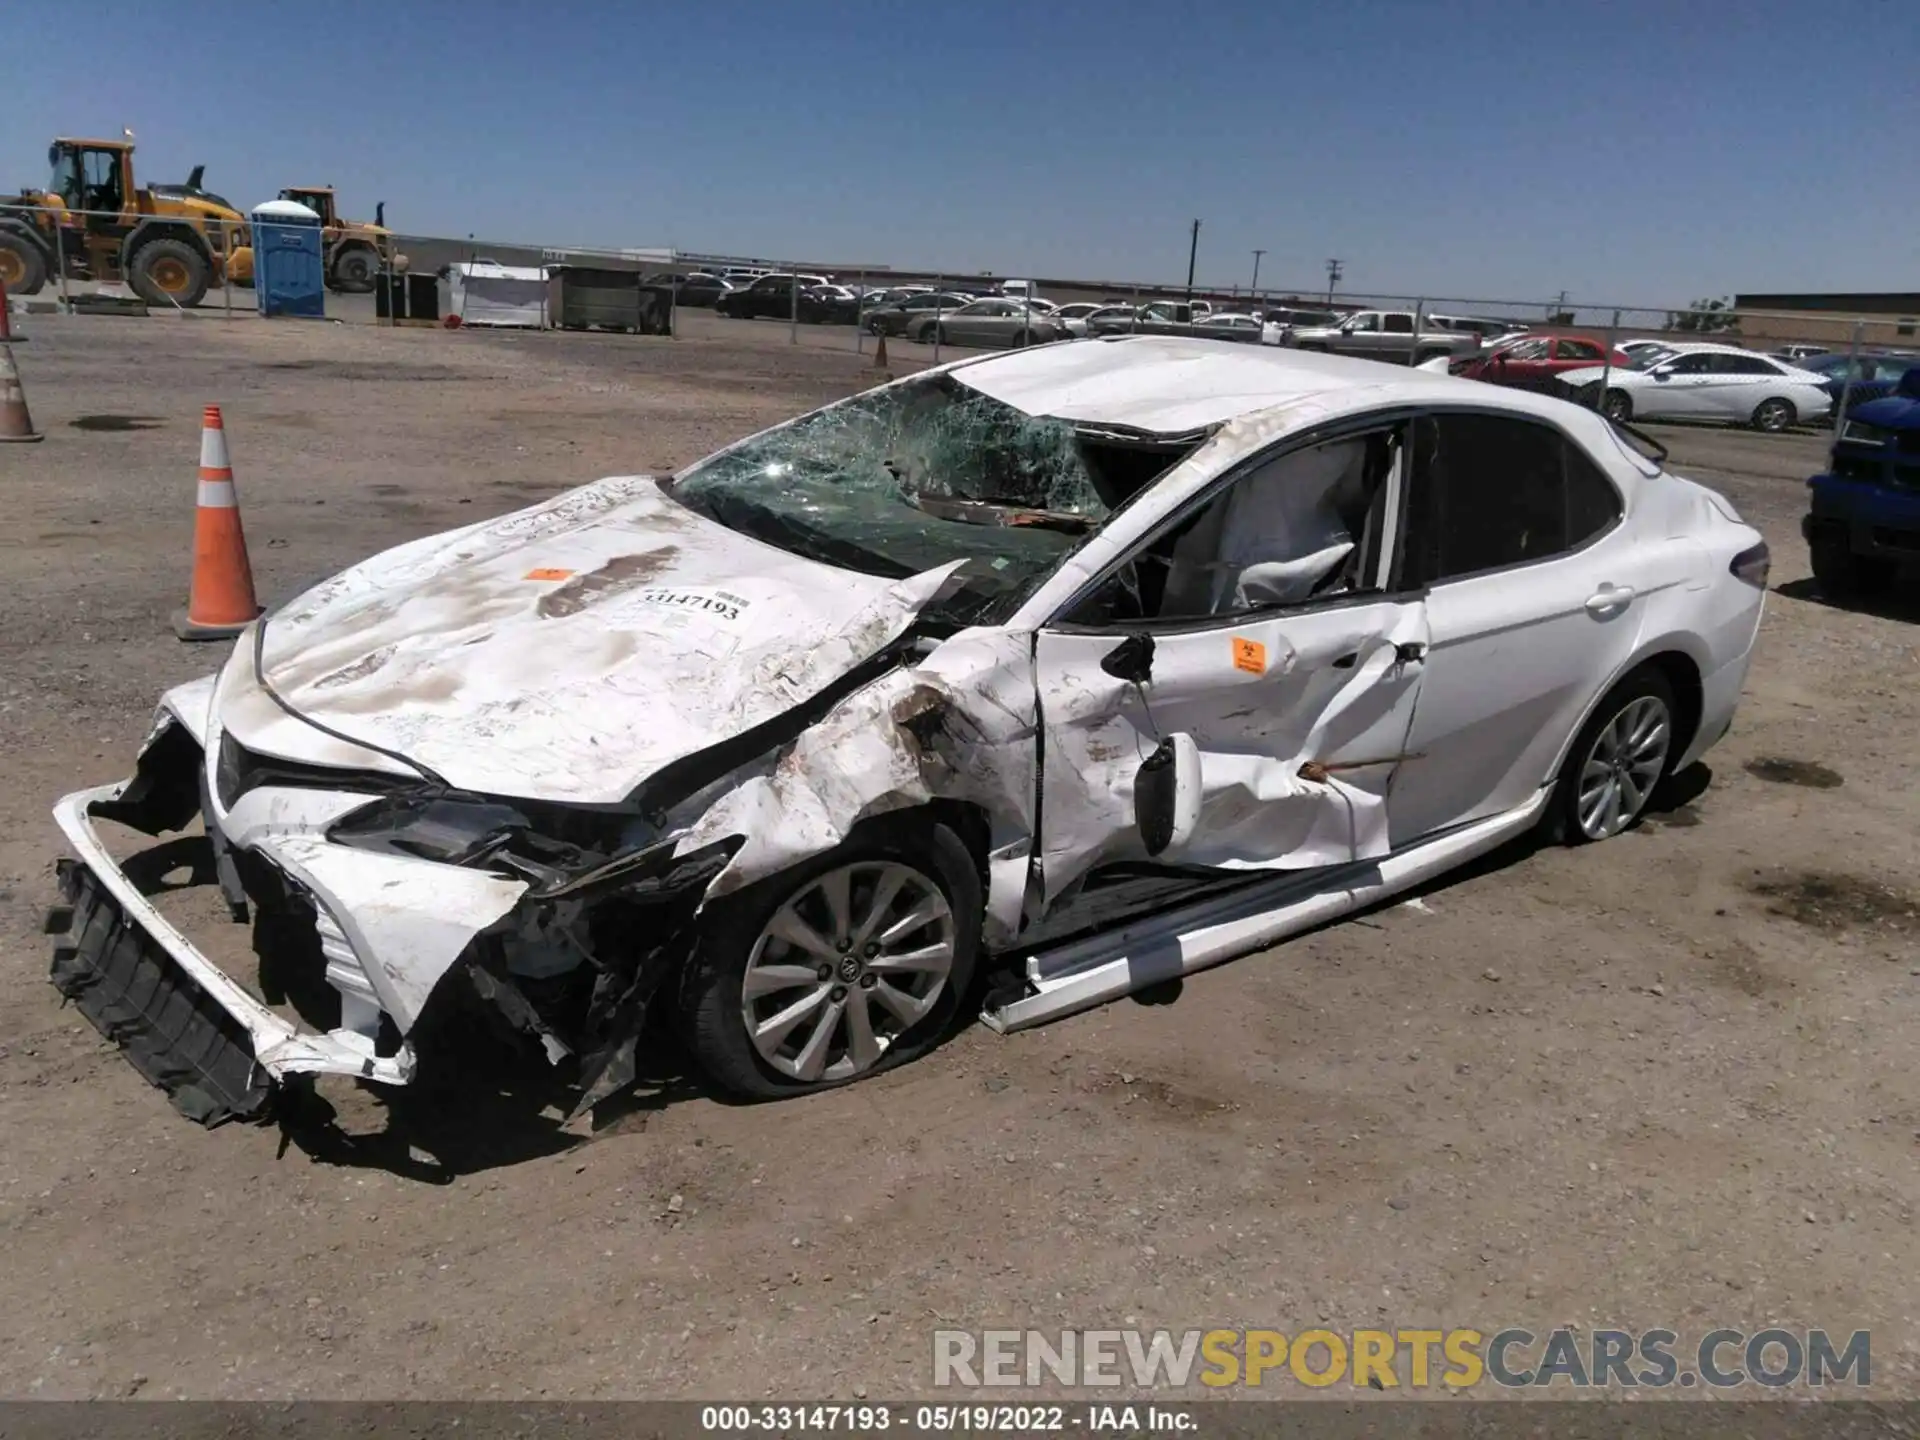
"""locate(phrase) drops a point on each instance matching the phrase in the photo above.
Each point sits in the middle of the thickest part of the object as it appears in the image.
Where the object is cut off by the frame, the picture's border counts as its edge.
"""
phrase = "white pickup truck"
(1384, 335)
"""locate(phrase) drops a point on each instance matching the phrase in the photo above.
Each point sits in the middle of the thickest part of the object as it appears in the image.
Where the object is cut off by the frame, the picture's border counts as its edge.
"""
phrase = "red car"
(1534, 362)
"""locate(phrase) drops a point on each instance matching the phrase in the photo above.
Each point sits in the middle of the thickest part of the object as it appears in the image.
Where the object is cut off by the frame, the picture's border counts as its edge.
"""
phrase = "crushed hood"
(565, 652)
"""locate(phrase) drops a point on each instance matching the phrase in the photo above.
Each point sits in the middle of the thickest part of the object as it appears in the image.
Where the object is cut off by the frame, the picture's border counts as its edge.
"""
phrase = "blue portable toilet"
(289, 261)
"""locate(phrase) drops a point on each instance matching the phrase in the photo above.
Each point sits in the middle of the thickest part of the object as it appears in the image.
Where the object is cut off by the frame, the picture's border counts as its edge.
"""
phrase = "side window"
(1488, 491)
(1691, 365)
(1575, 350)
(1366, 322)
(1305, 524)
(1398, 324)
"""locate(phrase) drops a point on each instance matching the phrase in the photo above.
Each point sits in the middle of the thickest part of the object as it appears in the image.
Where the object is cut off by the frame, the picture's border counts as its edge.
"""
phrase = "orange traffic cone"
(15, 423)
(880, 352)
(220, 604)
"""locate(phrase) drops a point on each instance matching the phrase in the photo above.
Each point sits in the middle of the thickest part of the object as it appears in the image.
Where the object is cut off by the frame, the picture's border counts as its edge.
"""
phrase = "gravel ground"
(1662, 1081)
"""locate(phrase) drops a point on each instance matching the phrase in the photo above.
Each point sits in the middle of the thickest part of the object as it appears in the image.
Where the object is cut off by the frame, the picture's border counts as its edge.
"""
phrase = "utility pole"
(1559, 306)
(1254, 288)
(1193, 254)
(1334, 268)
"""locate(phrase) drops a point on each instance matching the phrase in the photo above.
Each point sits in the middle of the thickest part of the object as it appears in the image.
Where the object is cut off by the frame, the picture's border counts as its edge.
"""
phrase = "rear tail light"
(1753, 565)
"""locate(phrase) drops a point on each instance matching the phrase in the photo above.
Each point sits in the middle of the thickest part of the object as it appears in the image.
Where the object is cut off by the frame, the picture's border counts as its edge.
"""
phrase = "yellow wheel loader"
(92, 222)
(355, 250)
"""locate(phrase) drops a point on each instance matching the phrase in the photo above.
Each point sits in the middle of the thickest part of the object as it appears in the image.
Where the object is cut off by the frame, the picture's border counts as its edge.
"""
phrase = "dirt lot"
(1667, 1080)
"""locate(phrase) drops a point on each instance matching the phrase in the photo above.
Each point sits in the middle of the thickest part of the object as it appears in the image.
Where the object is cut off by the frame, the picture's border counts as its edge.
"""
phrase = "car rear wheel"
(1617, 405)
(1774, 415)
(1616, 760)
(849, 964)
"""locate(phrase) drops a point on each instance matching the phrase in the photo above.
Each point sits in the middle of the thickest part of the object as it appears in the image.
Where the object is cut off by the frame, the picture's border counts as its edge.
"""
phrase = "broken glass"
(909, 478)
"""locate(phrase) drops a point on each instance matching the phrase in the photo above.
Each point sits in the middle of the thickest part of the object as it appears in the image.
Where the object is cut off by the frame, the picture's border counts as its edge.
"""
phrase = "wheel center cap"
(850, 967)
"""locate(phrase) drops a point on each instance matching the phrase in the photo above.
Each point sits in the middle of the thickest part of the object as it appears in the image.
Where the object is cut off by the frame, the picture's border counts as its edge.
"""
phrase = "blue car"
(1874, 375)
(1863, 526)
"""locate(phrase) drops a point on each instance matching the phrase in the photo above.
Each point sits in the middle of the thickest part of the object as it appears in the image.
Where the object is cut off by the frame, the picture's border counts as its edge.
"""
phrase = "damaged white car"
(1019, 684)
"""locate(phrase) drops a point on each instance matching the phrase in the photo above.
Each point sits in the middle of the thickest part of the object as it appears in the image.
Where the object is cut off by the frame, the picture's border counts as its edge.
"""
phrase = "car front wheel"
(1841, 574)
(851, 963)
(1774, 415)
(1616, 760)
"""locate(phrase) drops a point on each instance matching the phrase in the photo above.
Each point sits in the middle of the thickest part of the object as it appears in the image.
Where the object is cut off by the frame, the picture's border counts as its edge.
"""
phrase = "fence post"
(1846, 385)
(939, 309)
(226, 266)
(860, 313)
(1606, 366)
(60, 265)
(1413, 340)
(1133, 324)
(793, 307)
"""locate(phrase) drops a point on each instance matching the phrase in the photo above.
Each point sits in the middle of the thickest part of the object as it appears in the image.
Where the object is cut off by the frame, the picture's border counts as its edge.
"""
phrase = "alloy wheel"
(848, 964)
(1773, 415)
(1625, 762)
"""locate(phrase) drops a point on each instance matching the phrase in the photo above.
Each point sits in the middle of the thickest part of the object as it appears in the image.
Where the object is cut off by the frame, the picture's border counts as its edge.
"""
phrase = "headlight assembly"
(559, 848)
(451, 831)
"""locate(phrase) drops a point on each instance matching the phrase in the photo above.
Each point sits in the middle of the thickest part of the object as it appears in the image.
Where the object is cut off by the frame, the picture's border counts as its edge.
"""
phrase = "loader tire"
(168, 273)
(353, 271)
(22, 267)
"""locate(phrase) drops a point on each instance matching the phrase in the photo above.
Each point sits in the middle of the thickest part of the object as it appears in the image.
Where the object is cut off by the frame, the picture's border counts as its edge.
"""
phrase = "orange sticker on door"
(1249, 655)
(548, 574)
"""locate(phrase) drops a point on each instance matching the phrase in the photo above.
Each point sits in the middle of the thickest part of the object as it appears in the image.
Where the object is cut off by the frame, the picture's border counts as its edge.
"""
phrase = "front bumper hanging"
(185, 1024)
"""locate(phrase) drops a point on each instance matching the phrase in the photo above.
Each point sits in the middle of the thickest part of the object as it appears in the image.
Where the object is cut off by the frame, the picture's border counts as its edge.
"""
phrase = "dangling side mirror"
(1166, 794)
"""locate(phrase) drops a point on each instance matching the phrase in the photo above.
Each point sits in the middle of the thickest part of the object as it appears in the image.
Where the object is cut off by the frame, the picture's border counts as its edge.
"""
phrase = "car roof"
(1710, 347)
(1174, 384)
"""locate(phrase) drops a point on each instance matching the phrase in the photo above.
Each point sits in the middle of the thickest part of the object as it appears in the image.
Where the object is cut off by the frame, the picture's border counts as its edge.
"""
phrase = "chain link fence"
(1635, 360)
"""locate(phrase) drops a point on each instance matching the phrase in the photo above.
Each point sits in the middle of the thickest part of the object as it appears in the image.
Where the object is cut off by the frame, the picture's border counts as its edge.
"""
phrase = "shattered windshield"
(916, 476)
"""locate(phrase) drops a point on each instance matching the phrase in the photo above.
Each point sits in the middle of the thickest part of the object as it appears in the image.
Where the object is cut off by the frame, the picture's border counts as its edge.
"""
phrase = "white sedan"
(1073, 317)
(800, 743)
(1709, 382)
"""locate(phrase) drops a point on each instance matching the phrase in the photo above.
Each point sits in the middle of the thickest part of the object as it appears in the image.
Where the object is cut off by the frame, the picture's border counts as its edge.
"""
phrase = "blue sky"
(1622, 151)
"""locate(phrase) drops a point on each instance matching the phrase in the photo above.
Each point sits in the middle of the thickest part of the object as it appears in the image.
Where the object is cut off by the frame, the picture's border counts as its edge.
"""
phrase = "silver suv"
(1384, 335)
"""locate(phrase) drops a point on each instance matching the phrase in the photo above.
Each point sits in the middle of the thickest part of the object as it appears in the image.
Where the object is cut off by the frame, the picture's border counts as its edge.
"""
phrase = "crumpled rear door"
(1300, 720)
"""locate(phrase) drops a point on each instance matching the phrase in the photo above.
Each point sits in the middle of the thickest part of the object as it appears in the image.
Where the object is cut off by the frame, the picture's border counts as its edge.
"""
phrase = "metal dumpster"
(405, 298)
(586, 297)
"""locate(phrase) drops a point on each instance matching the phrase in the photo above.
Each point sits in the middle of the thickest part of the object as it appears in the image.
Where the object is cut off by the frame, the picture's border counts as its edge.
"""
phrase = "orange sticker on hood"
(1249, 655)
(545, 574)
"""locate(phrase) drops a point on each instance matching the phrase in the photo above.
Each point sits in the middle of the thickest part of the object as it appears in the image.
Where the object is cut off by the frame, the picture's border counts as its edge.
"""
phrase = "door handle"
(1609, 598)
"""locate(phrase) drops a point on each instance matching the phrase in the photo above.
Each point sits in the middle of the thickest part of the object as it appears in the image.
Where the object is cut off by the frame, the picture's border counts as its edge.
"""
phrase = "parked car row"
(1650, 379)
(922, 312)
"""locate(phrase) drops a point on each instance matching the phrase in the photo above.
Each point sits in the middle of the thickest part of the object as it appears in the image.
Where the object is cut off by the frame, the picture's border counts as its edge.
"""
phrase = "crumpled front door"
(1300, 720)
